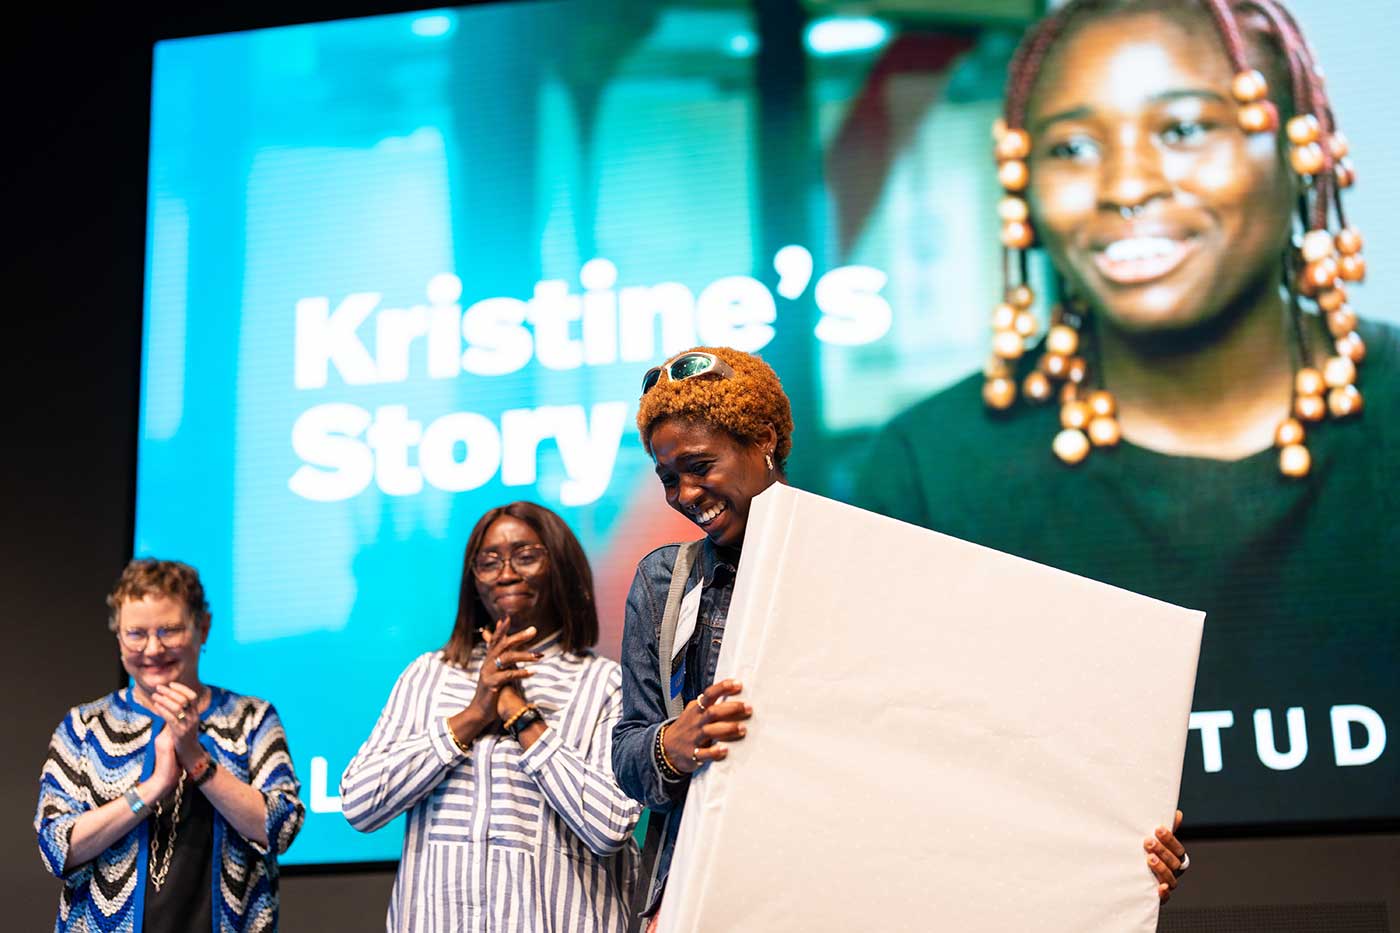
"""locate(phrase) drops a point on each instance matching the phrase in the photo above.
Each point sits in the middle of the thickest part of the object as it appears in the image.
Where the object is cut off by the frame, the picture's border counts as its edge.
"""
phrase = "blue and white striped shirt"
(502, 838)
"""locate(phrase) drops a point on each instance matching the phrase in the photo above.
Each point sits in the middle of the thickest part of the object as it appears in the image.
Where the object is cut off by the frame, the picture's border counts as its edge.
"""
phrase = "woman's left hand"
(1167, 858)
(179, 705)
(510, 700)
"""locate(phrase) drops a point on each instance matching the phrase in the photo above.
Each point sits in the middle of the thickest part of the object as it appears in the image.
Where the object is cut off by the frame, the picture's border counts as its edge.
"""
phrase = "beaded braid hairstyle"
(1318, 265)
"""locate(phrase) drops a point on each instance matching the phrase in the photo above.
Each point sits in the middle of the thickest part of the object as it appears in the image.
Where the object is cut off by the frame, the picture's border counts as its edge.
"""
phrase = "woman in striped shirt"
(498, 747)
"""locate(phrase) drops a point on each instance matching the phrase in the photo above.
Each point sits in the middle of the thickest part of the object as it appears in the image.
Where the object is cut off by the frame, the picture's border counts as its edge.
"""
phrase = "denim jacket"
(643, 700)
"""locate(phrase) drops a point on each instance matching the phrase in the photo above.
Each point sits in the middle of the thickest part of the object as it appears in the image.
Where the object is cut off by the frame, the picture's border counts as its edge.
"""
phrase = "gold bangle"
(661, 744)
(518, 713)
(464, 749)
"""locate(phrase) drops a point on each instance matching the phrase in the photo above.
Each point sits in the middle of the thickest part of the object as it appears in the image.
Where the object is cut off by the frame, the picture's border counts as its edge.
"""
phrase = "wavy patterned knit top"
(501, 838)
(103, 748)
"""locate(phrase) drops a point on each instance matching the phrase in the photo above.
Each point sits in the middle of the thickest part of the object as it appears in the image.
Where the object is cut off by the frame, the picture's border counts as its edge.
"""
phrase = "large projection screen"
(405, 268)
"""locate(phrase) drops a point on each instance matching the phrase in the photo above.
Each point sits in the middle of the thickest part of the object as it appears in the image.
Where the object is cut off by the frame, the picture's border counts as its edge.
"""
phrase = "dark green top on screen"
(1300, 579)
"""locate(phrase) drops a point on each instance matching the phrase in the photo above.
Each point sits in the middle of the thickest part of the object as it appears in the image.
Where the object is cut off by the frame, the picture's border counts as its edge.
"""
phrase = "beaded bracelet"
(518, 713)
(668, 771)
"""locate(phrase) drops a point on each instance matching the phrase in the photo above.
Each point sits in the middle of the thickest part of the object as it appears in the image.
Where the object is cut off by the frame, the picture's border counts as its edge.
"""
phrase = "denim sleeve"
(643, 707)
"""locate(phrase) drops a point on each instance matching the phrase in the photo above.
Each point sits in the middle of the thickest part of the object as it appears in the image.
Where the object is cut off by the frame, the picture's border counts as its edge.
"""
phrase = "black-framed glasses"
(489, 565)
(136, 639)
(687, 366)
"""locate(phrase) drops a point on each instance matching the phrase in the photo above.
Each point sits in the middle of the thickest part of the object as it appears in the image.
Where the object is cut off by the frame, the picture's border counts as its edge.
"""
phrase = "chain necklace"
(159, 870)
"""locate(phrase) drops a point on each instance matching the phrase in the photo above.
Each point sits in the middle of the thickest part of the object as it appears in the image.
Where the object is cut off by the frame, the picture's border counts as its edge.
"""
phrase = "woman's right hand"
(166, 772)
(498, 669)
(698, 732)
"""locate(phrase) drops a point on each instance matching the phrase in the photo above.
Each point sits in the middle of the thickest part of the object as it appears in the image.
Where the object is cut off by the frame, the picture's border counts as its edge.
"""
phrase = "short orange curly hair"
(742, 404)
(146, 576)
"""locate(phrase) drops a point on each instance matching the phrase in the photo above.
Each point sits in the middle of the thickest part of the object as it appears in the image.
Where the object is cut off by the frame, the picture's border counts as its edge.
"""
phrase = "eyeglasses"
(526, 560)
(136, 639)
(687, 366)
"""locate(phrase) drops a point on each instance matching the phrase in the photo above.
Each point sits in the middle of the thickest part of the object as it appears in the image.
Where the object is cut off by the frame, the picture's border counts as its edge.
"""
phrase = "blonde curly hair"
(742, 404)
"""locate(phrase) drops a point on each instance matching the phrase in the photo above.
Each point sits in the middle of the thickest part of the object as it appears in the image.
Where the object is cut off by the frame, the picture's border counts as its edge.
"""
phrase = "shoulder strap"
(659, 824)
(670, 618)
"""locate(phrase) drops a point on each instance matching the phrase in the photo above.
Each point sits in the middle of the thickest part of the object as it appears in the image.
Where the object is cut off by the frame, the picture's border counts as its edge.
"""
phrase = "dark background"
(76, 91)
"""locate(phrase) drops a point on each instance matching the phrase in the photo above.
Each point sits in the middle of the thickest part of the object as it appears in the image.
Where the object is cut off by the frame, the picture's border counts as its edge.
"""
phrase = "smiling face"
(521, 591)
(710, 476)
(157, 664)
(1155, 205)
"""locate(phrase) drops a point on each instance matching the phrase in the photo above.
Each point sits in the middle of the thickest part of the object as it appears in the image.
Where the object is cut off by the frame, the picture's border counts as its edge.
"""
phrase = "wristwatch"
(522, 721)
(201, 775)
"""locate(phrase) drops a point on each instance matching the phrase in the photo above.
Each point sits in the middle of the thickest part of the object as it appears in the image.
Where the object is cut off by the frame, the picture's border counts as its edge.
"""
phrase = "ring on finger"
(499, 665)
(700, 702)
(1185, 864)
(181, 715)
(696, 754)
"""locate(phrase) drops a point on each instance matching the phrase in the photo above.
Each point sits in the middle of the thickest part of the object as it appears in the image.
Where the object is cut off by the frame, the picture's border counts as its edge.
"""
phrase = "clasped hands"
(498, 694)
(177, 746)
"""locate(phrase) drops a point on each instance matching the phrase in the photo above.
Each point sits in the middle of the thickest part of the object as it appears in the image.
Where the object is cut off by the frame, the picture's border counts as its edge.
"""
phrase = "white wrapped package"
(944, 738)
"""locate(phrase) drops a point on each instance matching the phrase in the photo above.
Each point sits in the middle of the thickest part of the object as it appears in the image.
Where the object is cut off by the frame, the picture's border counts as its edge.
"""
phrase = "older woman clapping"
(184, 787)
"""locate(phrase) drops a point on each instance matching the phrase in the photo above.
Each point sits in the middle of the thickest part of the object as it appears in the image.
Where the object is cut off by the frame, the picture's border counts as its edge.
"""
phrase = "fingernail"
(1152, 860)
(742, 731)
(538, 655)
(748, 710)
(1149, 844)
(530, 630)
(1161, 833)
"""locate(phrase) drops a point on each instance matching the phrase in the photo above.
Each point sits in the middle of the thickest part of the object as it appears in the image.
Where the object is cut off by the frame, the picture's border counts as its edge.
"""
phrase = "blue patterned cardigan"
(106, 746)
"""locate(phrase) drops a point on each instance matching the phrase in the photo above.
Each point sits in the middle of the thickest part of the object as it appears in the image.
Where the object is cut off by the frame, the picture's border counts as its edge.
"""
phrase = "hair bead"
(1308, 159)
(1351, 346)
(1258, 117)
(1037, 386)
(1349, 241)
(1303, 129)
(1013, 175)
(1249, 86)
(1338, 371)
(1344, 172)
(1344, 401)
(1294, 461)
(1308, 381)
(1333, 298)
(999, 393)
(1008, 345)
(1352, 268)
(1290, 431)
(1317, 244)
(1017, 235)
(1071, 446)
(1309, 407)
(1014, 144)
(1013, 209)
(1341, 322)
(1075, 414)
(1105, 432)
(1062, 340)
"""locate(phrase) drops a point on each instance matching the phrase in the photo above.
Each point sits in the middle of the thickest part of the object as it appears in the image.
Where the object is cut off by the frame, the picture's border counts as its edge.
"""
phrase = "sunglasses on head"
(687, 366)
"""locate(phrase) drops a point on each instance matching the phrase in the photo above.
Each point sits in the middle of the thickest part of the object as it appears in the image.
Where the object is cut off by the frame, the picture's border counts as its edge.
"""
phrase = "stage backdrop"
(405, 268)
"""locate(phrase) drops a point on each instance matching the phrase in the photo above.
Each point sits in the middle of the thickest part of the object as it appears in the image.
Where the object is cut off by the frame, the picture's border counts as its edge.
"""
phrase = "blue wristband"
(134, 801)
